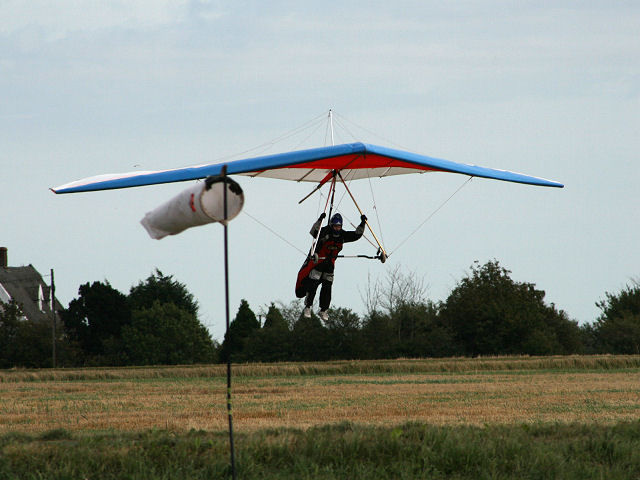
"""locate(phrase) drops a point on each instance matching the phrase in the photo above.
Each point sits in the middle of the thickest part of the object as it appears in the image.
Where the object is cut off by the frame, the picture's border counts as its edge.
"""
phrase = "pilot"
(330, 242)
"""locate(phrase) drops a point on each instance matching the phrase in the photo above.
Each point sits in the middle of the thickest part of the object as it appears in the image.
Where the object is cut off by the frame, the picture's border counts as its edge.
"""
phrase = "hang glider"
(353, 161)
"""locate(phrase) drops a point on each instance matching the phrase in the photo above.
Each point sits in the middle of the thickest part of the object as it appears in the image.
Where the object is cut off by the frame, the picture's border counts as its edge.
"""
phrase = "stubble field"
(280, 405)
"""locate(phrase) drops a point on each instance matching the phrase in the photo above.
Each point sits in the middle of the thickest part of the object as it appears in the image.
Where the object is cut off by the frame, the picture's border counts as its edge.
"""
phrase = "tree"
(401, 321)
(343, 334)
(290, 312)
(491, 314)
(398, 288)
(165, 328)
(98, 319)
(422, 332)
(166, 334)
(10, 315)
(95, 320)
(240, 329)
(275, 319)
(309, 340)
(272, 342)
(395, 297)
(379, 334)
(27, 343)
(32, 345)
(617, 329)
(164, 289)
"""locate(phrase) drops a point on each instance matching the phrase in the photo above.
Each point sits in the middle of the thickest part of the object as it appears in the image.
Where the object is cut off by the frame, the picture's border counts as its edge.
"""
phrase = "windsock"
(197, 205)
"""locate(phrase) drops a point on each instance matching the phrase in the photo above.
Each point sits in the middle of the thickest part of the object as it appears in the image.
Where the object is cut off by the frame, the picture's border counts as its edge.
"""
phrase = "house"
(26, 286)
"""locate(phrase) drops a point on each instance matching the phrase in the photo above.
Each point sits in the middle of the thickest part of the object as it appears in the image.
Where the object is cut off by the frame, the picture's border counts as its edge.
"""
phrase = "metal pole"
(226, 298)
(53, 321)
(331, 125)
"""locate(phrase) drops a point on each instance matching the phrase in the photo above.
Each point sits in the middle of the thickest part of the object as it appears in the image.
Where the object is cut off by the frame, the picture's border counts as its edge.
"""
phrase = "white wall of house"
(41, 300)
(4, 295)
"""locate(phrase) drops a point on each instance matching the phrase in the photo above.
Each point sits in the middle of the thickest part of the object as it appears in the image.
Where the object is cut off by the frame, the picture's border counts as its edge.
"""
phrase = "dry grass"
(341, 367)
(439, 392)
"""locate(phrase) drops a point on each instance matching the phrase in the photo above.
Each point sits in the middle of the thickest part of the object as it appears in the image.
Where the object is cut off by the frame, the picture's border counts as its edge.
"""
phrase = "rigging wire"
(369, 131)
(348, 184)
(349, 180)
(269, 144)
(364, 234)
(344, 127)
(340, 120)
(381, 249)
(320, 197)
(429, 217)
(375, 207)
(274, 232)
(308, 136)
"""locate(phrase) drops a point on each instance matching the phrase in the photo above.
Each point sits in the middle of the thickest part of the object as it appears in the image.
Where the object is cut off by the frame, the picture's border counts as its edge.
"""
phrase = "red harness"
(327, 251)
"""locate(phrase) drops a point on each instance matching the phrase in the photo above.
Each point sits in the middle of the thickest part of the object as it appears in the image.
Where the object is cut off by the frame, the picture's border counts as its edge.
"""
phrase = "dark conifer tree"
(240, 329)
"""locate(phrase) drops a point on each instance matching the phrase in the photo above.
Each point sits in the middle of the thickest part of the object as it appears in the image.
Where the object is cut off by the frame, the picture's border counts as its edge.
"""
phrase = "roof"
(26, 286)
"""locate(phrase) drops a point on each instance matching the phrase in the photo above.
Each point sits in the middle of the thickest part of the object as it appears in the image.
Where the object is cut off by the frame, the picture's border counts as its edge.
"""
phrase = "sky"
(550, 89)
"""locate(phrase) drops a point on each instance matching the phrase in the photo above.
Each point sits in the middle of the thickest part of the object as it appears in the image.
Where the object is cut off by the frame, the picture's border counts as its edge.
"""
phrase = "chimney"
(3, 257)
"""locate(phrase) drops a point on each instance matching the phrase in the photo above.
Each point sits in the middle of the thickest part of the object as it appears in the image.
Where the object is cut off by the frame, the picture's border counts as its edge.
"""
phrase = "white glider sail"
(353, 160)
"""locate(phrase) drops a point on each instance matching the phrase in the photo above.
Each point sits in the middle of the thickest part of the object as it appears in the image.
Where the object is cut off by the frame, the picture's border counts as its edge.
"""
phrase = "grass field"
(516, 411)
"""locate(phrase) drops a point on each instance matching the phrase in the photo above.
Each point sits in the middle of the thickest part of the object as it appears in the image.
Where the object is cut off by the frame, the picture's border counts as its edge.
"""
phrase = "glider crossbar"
(370, 257)
(331, 175)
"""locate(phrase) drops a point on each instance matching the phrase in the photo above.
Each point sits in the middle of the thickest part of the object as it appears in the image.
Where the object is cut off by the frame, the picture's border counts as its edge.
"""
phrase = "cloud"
(56, 20)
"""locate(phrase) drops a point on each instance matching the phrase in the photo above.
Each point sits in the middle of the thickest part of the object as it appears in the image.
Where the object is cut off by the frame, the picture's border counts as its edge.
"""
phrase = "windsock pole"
(226, 298)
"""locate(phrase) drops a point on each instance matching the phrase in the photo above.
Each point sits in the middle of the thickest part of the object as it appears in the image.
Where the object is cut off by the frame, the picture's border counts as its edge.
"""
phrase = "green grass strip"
(344, 451)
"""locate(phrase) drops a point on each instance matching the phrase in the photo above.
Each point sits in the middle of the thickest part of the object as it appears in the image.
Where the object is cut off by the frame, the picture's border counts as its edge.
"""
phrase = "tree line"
(486, 313)
(156, 323)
